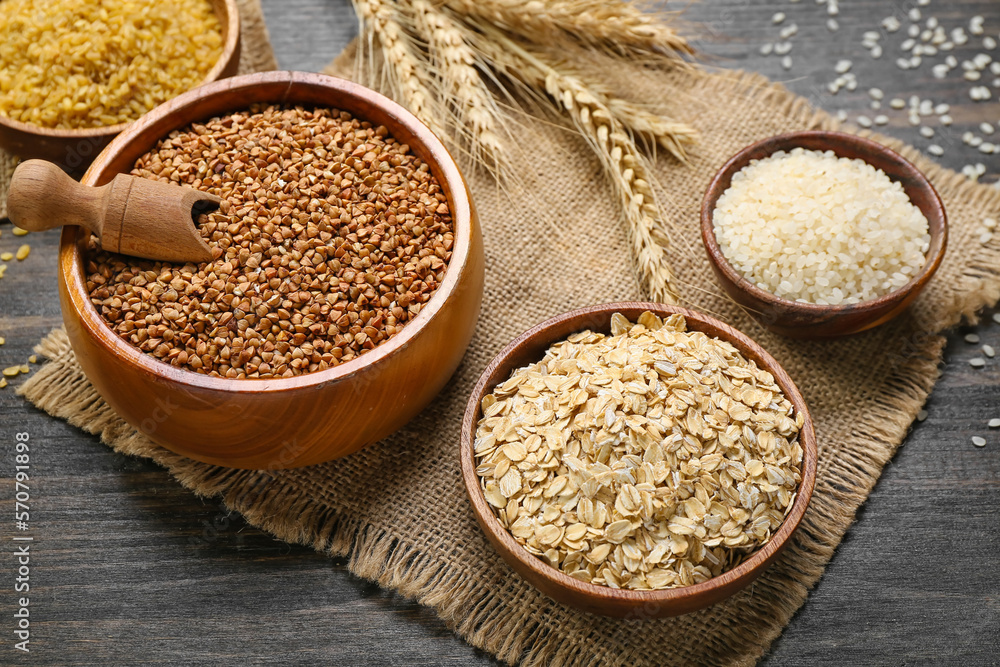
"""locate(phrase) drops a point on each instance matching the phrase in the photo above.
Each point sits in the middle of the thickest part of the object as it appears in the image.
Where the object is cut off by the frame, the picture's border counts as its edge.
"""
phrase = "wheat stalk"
(439, 55)
(456, 67)
(670, 134)
(612, 143)
(381, 23)
(617, 25)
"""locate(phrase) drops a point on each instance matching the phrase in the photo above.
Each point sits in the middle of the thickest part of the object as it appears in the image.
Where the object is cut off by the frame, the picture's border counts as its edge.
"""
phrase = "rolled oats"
(651, 458)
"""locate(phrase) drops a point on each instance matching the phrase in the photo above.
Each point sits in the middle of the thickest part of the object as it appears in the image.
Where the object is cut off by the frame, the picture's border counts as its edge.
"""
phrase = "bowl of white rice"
(821, 234)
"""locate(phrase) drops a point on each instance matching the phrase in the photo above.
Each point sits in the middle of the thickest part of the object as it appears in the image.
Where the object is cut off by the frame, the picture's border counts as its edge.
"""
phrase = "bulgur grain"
(76, 63)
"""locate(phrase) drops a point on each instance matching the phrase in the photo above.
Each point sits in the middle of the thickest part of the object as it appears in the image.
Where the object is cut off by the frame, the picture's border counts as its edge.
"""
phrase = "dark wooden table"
(128, 568)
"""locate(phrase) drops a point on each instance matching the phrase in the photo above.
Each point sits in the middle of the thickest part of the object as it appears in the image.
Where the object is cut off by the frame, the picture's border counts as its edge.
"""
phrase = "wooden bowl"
(806, 320)
(529, 348)
(284, 422)
(74, 149)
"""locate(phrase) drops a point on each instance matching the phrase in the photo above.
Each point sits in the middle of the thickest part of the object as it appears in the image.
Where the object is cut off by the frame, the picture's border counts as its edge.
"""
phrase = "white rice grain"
(813, 227)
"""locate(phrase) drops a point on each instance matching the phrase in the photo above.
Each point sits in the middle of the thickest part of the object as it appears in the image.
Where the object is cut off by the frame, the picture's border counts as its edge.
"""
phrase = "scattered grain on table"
(23, 252)
(978, 441)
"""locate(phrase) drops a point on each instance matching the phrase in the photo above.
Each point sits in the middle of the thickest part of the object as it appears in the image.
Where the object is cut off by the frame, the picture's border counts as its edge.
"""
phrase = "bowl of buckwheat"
(344, 286)
(637, 460)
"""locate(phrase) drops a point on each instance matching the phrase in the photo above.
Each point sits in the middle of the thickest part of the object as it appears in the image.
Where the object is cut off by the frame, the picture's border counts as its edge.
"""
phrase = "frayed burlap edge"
(472, 609)
(256, 55)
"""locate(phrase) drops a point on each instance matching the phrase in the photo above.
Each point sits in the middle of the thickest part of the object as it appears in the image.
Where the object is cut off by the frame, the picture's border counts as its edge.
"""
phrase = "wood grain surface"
(129, 568)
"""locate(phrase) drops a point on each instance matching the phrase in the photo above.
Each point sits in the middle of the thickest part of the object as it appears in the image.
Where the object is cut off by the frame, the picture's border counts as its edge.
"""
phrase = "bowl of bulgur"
(637, 460)
(75, 73)
(344, 288)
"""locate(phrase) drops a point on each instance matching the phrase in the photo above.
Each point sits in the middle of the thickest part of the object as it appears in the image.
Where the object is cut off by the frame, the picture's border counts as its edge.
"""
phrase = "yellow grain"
(6, 256)
(23, 252)
(78, 63)
(20, 232)
(12, 371)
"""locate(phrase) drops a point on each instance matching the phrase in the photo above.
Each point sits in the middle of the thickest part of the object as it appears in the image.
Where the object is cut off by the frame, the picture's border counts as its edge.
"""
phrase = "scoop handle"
(43, 196)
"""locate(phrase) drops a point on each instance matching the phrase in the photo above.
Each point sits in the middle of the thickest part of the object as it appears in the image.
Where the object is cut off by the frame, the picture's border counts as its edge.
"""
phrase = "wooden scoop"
(130, 215)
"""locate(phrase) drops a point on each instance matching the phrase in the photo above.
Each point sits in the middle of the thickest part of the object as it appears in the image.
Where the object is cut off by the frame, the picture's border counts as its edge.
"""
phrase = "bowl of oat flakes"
(637, 460)
(344, 288)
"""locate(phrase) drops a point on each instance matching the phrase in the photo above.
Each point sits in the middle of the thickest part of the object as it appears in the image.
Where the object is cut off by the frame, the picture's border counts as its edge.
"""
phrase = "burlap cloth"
(255, 56)
(397, 510)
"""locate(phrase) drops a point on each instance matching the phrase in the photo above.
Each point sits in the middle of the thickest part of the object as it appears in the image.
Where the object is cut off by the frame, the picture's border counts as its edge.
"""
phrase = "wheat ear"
(461, 81)
(671, 135)
(381, 23)
(612, 143)
(617, 25)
